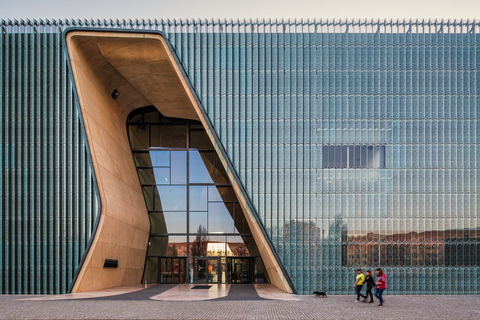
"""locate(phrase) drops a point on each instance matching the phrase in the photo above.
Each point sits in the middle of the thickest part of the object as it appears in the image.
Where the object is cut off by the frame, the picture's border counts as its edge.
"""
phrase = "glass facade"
(49, 198)
(195, 218)
(281, 93)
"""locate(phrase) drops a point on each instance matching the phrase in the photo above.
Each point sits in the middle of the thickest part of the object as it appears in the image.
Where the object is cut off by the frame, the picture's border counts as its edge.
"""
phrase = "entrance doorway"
(209, 270)
(171, 270)
(192, 206)
(240, 270)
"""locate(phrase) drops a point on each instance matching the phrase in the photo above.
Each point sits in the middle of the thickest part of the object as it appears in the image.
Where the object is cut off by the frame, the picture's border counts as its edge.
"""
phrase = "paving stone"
(307, 307)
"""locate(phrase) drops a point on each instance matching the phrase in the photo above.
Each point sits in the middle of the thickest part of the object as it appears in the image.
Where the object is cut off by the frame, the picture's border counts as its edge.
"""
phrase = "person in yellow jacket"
(359, 280)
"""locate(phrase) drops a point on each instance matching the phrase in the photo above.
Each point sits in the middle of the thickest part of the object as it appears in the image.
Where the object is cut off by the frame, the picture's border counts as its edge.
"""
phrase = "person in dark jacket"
(370, 284)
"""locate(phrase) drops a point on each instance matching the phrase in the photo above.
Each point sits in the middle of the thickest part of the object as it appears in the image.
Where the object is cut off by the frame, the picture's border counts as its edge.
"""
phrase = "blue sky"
(459, 9)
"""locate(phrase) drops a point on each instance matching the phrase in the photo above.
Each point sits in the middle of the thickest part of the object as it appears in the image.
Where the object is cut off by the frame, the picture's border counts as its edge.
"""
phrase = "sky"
(151, 9)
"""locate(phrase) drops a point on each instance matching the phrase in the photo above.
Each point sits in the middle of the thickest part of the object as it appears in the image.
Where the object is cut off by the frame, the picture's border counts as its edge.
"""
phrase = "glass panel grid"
(192, 207)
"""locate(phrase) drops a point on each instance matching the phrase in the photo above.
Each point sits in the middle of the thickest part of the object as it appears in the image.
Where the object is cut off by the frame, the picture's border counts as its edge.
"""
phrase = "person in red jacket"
(381, 284)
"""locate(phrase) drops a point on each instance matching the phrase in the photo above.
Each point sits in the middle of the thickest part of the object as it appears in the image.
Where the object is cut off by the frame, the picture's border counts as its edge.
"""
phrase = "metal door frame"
(251, 268)
(185, 268)
(206, 259)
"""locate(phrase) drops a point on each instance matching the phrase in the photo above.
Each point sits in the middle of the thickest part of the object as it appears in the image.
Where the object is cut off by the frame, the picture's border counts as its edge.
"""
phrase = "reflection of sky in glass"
(217, 193)
(173, 198)
(179, 167)
(197, 219)
(177, 239)
(162, 175)
(213, 194)
(234, 239)
(219, 219)
(176, 222)
(198, 198)
(160, 158)
(198, 170)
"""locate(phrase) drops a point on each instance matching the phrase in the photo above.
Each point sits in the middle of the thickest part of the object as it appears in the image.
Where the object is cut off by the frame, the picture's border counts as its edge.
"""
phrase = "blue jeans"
(378, 294)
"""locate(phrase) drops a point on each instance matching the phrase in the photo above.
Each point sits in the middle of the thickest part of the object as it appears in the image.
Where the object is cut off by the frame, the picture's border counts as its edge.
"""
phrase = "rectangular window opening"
(370, 157)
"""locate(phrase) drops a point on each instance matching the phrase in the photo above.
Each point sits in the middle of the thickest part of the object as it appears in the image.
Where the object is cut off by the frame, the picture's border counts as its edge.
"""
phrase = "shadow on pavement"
(241, 292)
(139, 295)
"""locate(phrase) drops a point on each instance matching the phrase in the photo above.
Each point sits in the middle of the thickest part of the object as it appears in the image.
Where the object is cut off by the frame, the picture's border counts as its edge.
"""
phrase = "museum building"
(290, 152)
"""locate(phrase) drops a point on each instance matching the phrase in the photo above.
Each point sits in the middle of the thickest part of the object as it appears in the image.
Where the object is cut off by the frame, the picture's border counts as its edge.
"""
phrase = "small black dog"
(319, 294)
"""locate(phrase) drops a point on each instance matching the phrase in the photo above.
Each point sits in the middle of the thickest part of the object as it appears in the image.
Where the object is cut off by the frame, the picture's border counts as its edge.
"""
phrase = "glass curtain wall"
(196, 219)
(50, 203)
(280, 95)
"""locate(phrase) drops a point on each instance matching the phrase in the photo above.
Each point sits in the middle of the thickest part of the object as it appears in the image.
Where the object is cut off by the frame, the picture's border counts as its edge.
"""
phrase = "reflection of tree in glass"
(237, 249)
(172, 251)
(199, 245)
(241, 251)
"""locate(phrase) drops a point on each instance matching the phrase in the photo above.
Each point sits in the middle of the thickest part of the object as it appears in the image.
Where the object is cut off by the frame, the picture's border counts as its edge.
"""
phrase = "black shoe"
(372, 301)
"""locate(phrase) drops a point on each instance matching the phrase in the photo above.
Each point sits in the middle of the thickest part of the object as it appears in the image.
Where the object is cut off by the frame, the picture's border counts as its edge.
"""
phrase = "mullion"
(188, 196)
(216, 163)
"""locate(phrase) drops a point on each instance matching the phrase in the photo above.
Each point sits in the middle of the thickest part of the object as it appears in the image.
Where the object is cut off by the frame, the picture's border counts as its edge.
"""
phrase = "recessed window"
(353, 157)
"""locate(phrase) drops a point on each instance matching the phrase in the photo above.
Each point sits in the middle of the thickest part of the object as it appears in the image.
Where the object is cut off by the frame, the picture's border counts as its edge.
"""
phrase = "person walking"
(370, 284)
(359, 280)
(381, 284)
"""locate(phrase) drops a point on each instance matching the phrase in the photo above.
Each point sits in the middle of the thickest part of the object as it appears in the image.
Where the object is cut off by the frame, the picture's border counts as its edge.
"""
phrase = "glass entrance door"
(171, 270)
(214, 271)
(240, 270)
(208, 270)
(201, 274)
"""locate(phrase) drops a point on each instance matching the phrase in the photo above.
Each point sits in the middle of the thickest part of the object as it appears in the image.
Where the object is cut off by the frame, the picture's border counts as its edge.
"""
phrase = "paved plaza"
(229, 302)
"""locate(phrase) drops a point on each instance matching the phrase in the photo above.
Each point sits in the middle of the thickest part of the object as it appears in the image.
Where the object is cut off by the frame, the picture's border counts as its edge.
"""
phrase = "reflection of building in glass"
(425, 249)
